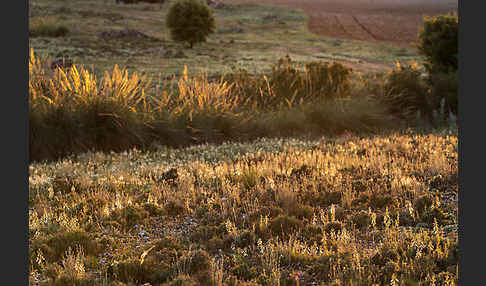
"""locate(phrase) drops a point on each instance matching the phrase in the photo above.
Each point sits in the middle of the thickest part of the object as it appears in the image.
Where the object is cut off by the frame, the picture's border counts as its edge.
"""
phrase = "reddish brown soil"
(391, 21)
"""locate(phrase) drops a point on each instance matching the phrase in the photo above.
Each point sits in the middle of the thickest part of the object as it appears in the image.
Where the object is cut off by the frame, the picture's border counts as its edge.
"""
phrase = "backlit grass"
(350, 210)
(313, 181)
(73, 111)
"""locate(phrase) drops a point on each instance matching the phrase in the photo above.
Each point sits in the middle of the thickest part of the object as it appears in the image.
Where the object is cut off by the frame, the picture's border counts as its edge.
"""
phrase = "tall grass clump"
(197, 96)
(71, 111)
(289, 84)
(201, 109)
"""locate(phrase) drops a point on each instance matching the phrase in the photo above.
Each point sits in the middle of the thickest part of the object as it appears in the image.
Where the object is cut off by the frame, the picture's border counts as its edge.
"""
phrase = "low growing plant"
(47, 27)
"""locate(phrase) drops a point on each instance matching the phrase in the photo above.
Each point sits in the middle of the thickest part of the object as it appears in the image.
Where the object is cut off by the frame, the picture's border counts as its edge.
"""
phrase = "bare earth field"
(369, 37)
(391, 21)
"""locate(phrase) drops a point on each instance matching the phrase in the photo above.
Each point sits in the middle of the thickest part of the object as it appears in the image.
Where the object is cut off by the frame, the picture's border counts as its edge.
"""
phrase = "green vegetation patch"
(47, 27)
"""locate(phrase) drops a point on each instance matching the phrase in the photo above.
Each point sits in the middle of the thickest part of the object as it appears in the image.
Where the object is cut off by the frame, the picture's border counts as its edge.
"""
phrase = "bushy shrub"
(330, 80)
(405, 92)
(190, 21)
(359, 114)
(444, 88)
(284, 225)
(438, 43)
(55, 247)
(130, 271)
(289, 84)
(129, 216)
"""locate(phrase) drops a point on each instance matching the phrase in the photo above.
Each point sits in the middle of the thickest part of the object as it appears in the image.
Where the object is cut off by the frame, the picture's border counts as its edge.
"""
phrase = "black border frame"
(14, 122)
(470, 102)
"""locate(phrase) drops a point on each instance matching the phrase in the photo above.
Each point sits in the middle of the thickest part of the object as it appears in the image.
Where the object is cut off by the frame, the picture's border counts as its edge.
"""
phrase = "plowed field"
(392, 21)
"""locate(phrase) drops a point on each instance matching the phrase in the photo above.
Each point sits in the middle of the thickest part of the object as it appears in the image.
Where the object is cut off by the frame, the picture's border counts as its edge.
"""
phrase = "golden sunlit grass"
(360, 211)
(117, 204)
(72, 111)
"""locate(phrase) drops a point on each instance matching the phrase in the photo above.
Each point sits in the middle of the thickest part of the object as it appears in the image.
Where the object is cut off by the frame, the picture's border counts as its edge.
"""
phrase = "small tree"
(438, 44)
(190, 21)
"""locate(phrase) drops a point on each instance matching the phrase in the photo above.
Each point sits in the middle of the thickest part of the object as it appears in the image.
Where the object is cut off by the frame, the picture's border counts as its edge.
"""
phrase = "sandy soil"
(391, 21)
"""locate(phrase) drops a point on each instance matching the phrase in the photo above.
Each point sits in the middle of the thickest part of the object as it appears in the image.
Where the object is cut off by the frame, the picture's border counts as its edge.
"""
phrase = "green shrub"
(71, 112)
(284, 225)
(175, 208)
(55, 247)
(190, 21)
(358, 114)
(405, 92)
(197, 261)
(130, 271)
(130, 216)
(444, 88)
(245, 239)
(301, 211)
(438, 43)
